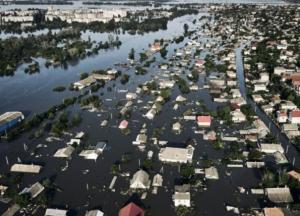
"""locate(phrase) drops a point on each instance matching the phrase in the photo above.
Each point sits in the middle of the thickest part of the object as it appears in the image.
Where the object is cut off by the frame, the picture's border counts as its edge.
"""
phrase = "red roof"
(204, 119)
(295, 114)
(200, 62)
(124, 123)
(131, 210)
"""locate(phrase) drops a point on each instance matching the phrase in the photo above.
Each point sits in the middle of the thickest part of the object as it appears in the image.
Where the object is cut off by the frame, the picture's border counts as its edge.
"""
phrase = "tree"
(186, 28)
(163, 52)
(187, 171)
(255, 155)
(124, 79)
(23, 199)
(143, 57)
(131, 54)
(182, 211)
(83, 76)
(76, 120)
(148, 164)
(166, 94)
(224, 114)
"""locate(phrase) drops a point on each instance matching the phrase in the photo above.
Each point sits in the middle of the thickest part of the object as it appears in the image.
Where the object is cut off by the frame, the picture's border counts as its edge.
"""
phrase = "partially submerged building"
(10, 119)
(131, 209)
(26, 168)
(176, 155)
(140, 180)
(182, 196)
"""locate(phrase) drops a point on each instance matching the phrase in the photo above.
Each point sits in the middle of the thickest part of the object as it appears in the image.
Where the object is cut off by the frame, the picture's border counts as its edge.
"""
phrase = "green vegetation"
(209, 63)
(131, 54)
(140, 70)
(187, 172)
(124, 79)
(182, 211)
(76, 120)
(84, 76)
(60, 125)
(233, 151)
(247, 110)
(23, 199)
(163, 52)
(158, 132)
(148, 164)
(255, 155)
(182, 85)
(179, 39)
(194, 76)
(166, 94)
(186, 28)
(115, 168)
(93, 100)
(143, 57)
(223, 113)
(15, 51)
(37, 120)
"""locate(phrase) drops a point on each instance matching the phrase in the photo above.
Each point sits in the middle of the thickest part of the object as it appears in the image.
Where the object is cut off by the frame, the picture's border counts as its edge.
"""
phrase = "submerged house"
(94, 213)
(157, 180)
(10, 119)
(273, 212)
(211, 173)
(26, 168)
(204, 121)
(271, 148)
(90, 154)
(140, 180)
(131, 209)
(64, 152)
(182, 196)
(34, 190)
(123, 124)
(84, 82)
(55, 212)
(176, 155)
(294, 117)
(279, 195)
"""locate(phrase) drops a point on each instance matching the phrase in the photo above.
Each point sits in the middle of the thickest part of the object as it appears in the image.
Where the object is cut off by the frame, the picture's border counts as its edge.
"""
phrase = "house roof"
(28, 168)
(64, 152)
(171, 153)
(279, 195)
(141, 177)
(94, 213)
(124, 123)
(182, 196)
(273, 212)
(294, 175)
(206, 119)
(55, 212)
(131, 210)
(295, 114)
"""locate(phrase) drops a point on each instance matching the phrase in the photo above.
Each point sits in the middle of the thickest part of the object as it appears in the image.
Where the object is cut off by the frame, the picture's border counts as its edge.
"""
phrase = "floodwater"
(33, 94)
(34, 87)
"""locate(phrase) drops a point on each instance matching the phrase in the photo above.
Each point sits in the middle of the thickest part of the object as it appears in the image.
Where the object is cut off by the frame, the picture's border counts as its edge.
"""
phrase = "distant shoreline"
(37, 3)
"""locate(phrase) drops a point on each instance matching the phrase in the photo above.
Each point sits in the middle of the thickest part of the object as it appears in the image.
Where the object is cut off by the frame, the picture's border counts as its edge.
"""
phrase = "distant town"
(153, 108)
